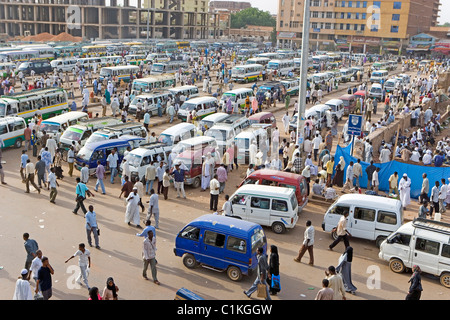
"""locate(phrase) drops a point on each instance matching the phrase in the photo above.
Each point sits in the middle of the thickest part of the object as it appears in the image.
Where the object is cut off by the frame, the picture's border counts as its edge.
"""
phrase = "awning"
(288, 35)
(417, 49)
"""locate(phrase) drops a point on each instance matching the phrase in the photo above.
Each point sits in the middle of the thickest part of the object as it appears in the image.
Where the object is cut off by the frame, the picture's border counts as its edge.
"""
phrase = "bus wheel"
(18, 143)
(396, 265)
(234, 273)
(196, 183)
(189, 261)
(379, 241)
(445, 279)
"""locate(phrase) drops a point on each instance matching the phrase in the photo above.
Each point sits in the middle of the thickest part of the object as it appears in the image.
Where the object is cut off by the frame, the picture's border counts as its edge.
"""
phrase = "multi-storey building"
(360, 25)
(232, 6)
(98, 19)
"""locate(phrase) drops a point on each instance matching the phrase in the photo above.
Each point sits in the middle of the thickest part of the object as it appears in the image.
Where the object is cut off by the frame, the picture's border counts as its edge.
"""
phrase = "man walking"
(153, 208)
(111, 163)
(159, 174)
(84, 262)
(91, 226)
(335, 283)
(31, 247)
(214, 187)
(29, 172)
(23, 288)
(341, 232)
(39, 169)
(70, 159)
(425, 189)
(150, 176)
(442, 195)
(349, 177)
(357, 172)
(81, 191)
(52, 183)
(149, 256)
(325, 293)
(44, 279)
(261, 277)
(222, 177)
(393, 183)
(100, 173)
(132, 211)
(308, 242)
(23, 164)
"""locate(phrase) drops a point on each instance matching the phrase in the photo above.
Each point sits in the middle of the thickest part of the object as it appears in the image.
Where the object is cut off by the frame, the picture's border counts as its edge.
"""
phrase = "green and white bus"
(247, 72)
(146, 85)
(291, 85)
(120, 73)
(12, 131)
(47, 102)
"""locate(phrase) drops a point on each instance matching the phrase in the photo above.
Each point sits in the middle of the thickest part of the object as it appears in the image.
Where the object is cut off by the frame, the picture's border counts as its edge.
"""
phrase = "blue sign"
(354, 125)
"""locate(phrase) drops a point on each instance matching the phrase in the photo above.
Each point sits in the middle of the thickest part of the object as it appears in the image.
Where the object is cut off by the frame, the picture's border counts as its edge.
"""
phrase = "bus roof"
(157, 77)
(225, 224)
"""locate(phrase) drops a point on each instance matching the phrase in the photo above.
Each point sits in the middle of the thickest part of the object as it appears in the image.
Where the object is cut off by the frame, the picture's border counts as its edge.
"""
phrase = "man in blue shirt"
(91, 226)
(31, 246)
(44, 281)
(23, 163)
(159, 174)
(81, 192)
(148, 227)
(179, 179)
(438, 160)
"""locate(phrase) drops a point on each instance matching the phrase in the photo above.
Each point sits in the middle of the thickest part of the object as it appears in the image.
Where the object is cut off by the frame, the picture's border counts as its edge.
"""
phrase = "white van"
(226, 130)
(270, 206)
(108, 60)
(83, 130)
(118, 130)
(237, 96)
(157, 57)
(12, 131)
(376, 91)
(203, 106)
(63, 65)
(421, 242)
(177, 133)
(379, 75)
(89, 62)
(346, 74)
(152, 99)
(370, 217)
(52, 125)
(390, 85)
(336, 107)
(212, 119)
(140, 158)
(188, 91)
(244, 139)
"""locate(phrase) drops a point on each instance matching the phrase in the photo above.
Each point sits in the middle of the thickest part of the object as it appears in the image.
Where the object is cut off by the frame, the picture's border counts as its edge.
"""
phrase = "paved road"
(58, 232)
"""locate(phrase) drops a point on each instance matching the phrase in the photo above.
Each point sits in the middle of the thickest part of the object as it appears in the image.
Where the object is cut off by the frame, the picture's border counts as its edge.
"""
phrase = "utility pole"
(303, 77)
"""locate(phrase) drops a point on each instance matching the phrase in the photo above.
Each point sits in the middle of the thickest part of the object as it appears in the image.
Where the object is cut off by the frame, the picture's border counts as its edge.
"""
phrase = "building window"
(374, 28)
(342, 15)
(377, 4)
(355, 27)
(314, 25)
(314, 35)
(364, 15)
(329, 15)
(342, 26)
(350, 4)
(363, 27)
(281, 23)
(397, 5)
(395, 17)
(343, 4)
(357, 15)
(394, 29)
(330, 37)
(315, 14)
(376, 16)
(348, 26)
(364, 4)
(281, 13)
(328, 25)
(349, 15)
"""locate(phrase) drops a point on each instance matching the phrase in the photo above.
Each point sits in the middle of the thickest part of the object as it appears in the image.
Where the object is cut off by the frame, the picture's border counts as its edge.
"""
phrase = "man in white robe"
(286, 119)
(23, 288)
(132, 212)
(52, 146)
(253, 149)
(206, 172)
(385, 155)
(404, 187)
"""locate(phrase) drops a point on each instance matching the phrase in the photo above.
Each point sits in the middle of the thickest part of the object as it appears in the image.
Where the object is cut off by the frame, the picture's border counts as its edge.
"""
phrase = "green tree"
(252, 16)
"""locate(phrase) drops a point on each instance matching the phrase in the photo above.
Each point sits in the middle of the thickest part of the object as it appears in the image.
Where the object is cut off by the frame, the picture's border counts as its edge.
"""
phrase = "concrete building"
(358, 25)
(103, 19)
(232, 6)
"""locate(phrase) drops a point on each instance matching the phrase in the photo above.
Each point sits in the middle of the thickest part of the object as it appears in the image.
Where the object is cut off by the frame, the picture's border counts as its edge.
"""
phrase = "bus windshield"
(134, 160)
(49, 127)
(166, 139)
(105, 72)
(225, 97)
(158, 67)
(72, 134)
(96, 138)
(257, 240)
(188, 106)
(238, 70)
(85, 153)
(272, 65)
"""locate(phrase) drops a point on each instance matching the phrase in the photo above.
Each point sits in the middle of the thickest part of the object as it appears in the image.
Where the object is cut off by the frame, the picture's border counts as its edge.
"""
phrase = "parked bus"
(145, 85)
(199, 45)
(135, 59)
(183, 45)
(68, 51)
(93, 51)
(120, 73)
(258, 60)
(168, 46)
(247, 72)
(48, 102)
(282, 67)
(169, 67)
(19, 56)
(270, 55)
(318, 60)
(45, 52)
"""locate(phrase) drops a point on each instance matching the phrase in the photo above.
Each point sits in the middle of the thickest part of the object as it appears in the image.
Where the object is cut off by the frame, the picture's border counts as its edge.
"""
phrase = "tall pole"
(303, 77)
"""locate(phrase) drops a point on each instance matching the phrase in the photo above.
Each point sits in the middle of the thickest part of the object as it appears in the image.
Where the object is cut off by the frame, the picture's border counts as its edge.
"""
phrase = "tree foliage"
(252, 16)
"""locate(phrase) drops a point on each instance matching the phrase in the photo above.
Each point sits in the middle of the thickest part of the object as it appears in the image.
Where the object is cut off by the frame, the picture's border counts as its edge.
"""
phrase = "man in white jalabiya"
(23, 288)
(404, 187)
(253, 150)
(207, 169)
(132, 212)
(385, 155)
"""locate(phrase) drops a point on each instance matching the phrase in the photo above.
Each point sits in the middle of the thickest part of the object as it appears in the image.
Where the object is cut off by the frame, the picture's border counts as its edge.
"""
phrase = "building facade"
(232, 6)
(98, 19)
(361, 26)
